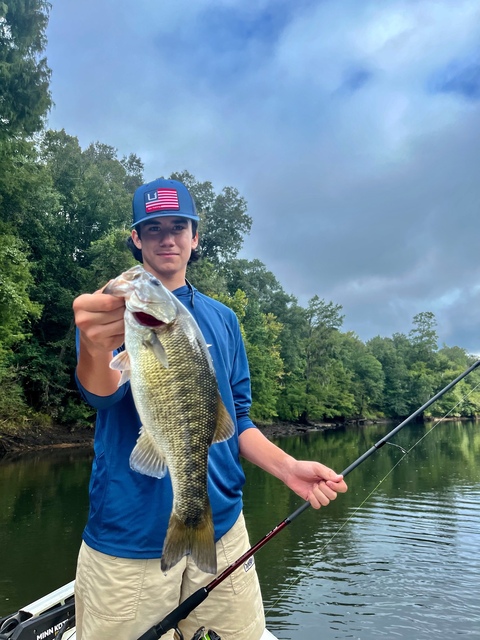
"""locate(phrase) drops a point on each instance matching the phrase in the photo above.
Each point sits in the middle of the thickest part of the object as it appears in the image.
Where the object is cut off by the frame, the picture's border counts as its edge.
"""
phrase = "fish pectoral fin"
(225, 427)
(153, 343)
(197, 540)
(121, 362)
(125, 377)
(147, 458)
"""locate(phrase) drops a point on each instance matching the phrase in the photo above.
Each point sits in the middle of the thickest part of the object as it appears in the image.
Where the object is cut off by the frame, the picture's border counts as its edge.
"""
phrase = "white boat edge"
(70, 635)
(61, 595)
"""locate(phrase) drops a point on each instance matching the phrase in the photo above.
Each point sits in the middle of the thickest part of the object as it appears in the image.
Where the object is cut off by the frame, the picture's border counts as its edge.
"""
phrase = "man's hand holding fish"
(101, 328)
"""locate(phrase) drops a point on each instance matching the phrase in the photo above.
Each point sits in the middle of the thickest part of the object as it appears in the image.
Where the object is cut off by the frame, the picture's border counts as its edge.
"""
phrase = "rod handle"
(180, 613)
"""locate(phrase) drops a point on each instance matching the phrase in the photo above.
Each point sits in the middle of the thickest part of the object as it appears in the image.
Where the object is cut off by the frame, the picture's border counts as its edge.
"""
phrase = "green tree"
(88, 199)
(207, 277)
(133, 166)
(262, 286)
(464, 398)
(389, 352)
(292, 400)
(327, 382)
(16, 313)
(15, 283)
(256, 280)
(260, 332)
(422, 360)
(223, 218)
(423, 337)
(106, 258)
(422, 385)
(24, 74)
(367, 377)
(266, 366)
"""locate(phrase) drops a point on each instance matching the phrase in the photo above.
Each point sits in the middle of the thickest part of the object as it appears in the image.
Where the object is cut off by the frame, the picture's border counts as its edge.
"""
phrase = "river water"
(398, 556)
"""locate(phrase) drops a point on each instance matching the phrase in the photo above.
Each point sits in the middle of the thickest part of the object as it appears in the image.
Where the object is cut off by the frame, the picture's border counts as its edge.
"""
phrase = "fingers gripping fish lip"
(144, 294)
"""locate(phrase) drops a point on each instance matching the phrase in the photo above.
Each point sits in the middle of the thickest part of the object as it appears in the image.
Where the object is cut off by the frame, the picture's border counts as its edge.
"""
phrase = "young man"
(120, 589)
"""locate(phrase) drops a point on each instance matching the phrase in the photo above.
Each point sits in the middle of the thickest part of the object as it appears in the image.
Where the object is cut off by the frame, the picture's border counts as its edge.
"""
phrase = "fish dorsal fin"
(121, 362)
(153, 343)
(225, 426)
(147, 458)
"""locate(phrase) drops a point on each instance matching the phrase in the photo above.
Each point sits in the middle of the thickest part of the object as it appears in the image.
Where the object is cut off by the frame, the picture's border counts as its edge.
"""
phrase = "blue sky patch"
(355, 79)
(226, 43)
(462, 78)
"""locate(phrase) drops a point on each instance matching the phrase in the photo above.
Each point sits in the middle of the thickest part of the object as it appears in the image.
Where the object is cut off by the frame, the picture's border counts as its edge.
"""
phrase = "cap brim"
(165, 214)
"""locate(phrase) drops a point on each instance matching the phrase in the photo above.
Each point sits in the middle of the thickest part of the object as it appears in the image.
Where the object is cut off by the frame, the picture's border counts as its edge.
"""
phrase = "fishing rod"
(192, 602)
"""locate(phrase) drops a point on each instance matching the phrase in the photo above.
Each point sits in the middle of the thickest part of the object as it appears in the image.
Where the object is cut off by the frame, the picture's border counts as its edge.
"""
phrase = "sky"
(351, 128)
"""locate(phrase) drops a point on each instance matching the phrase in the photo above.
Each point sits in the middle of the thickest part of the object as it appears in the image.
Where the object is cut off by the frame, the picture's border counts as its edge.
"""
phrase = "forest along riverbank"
(37, 438)
(56, 436)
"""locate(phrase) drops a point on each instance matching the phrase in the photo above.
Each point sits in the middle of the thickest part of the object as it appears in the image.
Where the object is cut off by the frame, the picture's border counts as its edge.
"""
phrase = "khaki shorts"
(120, 598)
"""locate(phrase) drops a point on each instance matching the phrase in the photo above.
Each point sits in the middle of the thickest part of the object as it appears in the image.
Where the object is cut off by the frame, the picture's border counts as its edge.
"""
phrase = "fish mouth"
(146, 320)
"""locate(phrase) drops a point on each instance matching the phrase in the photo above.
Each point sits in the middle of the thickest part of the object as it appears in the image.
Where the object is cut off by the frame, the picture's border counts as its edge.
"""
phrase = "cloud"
(351, 129)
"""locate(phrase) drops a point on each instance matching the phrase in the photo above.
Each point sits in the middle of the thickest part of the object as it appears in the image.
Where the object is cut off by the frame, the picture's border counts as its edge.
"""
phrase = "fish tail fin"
(198, 541)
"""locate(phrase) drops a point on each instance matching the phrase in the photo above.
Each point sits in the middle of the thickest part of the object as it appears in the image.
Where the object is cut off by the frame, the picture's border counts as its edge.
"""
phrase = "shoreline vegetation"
(29, 439)
(59, 437)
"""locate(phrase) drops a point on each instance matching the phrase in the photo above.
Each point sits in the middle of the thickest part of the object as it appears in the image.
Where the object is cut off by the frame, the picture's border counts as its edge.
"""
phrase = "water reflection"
(396, 556)
(43, 507)
(386, 564)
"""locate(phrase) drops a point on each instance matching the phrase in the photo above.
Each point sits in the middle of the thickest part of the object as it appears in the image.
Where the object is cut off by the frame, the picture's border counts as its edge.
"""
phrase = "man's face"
(166, 245)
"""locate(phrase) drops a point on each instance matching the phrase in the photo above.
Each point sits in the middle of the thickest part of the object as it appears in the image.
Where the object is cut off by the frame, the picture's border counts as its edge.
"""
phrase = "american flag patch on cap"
(161, 200)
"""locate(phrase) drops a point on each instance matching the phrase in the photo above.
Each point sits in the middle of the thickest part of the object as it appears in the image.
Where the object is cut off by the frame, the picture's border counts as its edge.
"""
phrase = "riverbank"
(282, 429)
(51, 437)
(55, 436)
(61, 437)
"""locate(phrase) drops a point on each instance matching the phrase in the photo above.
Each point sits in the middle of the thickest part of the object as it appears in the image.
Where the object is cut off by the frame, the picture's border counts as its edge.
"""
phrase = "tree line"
(65, 213)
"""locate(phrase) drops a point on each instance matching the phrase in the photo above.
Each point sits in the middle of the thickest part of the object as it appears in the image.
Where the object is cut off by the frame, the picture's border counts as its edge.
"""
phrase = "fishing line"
(316, 555)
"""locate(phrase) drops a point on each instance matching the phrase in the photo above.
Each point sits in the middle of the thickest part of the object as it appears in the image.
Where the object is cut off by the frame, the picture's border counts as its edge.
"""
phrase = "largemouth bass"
(175, 391)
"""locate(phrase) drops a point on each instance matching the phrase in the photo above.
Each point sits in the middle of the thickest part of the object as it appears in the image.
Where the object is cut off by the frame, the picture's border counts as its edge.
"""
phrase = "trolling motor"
(47, 618)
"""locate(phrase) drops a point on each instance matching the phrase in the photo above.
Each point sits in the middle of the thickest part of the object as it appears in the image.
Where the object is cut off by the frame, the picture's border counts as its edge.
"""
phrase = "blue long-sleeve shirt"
(129, 511)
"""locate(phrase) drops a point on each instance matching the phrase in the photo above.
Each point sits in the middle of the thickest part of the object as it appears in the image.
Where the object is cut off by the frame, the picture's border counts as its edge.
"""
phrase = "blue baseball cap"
(162, 198)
